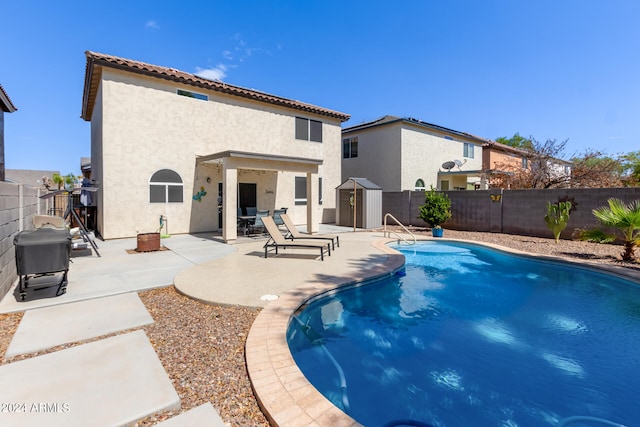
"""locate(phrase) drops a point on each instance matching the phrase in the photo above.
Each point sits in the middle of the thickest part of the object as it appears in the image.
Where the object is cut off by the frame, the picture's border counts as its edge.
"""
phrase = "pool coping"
(283, 393)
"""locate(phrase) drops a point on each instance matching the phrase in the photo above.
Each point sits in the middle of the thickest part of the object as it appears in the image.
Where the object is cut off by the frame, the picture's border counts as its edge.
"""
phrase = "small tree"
(557, 217)
(58, 180)
(436, 209)
(626, 218)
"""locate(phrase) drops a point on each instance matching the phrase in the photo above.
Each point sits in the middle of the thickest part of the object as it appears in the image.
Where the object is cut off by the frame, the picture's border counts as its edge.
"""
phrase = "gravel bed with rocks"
(202, 346)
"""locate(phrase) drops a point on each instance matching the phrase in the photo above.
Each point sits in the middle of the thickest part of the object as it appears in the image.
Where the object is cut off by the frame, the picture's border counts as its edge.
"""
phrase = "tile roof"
(96, 61)
(410, 120)
(5, 102)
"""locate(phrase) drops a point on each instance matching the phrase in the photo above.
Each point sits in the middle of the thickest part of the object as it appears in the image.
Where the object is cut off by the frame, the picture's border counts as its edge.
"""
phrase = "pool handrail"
(387, 233)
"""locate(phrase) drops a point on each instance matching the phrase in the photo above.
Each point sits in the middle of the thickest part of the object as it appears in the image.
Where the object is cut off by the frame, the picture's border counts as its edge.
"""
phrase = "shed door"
(346, 210)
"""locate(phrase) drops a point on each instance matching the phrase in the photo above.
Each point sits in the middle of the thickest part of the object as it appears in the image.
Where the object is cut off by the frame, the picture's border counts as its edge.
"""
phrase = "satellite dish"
(448, 165)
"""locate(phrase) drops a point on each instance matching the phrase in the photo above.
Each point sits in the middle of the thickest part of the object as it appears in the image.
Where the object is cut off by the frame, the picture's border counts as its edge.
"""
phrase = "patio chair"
(277, 240)
(276, 216)
(257, 223)
(293, 233)
(251, 210)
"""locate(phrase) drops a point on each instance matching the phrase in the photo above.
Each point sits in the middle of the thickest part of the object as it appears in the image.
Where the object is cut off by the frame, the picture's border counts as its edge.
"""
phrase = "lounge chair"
(294, 234)
(277, 240)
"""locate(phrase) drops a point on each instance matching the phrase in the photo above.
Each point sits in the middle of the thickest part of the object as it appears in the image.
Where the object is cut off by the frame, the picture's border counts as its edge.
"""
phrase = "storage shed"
(363, 196)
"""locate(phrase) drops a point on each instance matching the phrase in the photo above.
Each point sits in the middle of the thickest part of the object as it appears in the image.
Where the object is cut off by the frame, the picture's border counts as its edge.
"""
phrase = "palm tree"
(626, 218)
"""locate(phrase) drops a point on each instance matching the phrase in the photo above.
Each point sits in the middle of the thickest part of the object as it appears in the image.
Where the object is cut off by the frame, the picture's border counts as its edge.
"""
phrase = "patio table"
(244, 221)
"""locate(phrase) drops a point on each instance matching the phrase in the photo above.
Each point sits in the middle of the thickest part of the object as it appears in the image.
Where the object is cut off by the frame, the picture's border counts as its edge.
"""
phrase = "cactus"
(557, 217)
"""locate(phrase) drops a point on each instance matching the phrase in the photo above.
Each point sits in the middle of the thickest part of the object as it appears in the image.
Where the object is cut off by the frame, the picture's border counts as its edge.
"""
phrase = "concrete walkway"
(117, 380)
(112, 381)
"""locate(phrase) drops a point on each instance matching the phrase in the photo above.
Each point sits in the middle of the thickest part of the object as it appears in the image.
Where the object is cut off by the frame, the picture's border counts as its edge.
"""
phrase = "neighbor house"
(166, 142)
(503, 164)
(402, 154)
(6, 106)
(499, 160)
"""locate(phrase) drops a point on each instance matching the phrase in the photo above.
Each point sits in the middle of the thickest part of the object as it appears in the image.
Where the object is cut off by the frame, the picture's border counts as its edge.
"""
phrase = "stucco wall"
(379, 157)
(145, 126)
(498, 158)
(423, 154)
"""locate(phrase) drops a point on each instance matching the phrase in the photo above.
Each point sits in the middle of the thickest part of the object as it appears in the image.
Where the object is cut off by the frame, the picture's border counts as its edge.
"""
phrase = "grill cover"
(44, 250)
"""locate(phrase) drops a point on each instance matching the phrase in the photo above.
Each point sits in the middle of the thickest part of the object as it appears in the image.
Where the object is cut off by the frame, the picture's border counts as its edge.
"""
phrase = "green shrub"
(436, 208)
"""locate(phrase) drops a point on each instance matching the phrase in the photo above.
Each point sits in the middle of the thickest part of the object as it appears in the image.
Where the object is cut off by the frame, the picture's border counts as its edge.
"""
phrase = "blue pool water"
(475, 337)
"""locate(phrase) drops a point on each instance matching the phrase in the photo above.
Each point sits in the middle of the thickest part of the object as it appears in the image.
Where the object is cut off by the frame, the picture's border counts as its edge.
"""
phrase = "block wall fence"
(508, 211)
(18, 204)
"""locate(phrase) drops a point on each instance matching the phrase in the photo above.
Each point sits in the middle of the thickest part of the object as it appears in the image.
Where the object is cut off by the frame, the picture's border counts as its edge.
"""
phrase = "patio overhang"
(261, 161)
(231, 161)
(475, 177)
(475, 173)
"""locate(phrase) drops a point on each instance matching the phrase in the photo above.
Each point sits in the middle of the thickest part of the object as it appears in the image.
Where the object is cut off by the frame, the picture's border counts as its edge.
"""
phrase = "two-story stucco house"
(500, 159)
(402, 154)
(166, 142)
(503, 163)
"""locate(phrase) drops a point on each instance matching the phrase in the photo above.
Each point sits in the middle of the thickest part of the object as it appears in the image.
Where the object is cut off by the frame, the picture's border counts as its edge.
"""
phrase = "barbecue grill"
(42, 252)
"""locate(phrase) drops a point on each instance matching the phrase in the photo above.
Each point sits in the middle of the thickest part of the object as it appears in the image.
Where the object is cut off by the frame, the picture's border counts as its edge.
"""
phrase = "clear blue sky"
(562, 69)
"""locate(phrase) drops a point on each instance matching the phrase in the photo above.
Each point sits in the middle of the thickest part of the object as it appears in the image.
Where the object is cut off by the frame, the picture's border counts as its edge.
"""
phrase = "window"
(419, 185)
(444, 185)
(308, 130)
(350, 148)
(525, 163)
(468, 150)
(165, 186)
(192, 95)
(301, 191)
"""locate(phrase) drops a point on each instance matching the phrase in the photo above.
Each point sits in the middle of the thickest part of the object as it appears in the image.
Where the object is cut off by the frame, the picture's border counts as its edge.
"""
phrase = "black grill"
(42, 252)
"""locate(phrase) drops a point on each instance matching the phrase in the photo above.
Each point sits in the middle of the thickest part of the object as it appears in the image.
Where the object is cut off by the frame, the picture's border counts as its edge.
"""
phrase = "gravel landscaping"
(202, 346)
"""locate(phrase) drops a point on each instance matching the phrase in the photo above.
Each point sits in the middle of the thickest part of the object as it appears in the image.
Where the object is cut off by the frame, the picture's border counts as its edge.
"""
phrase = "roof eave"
(137, 67)
(5, 102)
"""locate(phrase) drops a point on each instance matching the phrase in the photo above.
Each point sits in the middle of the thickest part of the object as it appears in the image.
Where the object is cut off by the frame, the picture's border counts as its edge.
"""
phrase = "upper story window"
(468, 150)
(165, 186)
(308, 130)
(419, 185)
(190, 94)
(350, 147)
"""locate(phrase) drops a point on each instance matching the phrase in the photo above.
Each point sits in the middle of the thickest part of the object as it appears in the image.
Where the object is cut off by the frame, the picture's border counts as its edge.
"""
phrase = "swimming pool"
(475, 337)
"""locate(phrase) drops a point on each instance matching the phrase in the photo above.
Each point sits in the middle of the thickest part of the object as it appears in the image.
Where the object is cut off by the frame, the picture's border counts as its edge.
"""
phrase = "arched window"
(165, 186)
(419, 185)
